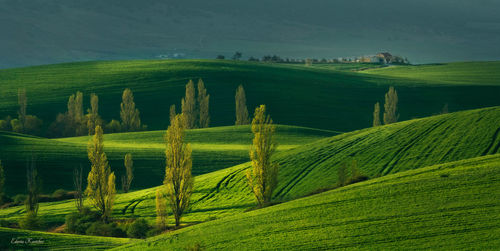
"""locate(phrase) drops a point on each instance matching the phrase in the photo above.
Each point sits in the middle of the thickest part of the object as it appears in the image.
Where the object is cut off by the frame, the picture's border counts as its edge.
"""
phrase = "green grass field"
(294, 95)
(15, 239)
(452, 206)
(213, 149)
(379, 151)
(433, 180)
(464, 73)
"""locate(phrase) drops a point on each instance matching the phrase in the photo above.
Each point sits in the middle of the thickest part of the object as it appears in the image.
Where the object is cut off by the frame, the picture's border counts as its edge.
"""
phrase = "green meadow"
(24, 239)
(294, 94)
(213, 149)
(306, 169)
(446, 206)
(432, 178)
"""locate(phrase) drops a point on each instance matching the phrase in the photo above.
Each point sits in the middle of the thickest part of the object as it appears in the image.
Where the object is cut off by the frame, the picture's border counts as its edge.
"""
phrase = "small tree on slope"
(263, 177)
(178, 179)
(101, 181)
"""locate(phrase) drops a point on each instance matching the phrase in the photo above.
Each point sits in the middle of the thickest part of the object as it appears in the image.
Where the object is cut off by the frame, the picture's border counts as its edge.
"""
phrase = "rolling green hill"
(294, 95)
(449, 206)
(16, 239)
(213, 149)
(465, 73)
(379, 151)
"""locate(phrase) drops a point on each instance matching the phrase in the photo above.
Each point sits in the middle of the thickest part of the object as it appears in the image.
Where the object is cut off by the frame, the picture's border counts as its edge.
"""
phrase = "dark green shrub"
(357, 178)
(59, 193)
(4, 223)
(154, 231)
(78, 223)
(138, 229)
(31, 221)
(19, 199)
(100, 228)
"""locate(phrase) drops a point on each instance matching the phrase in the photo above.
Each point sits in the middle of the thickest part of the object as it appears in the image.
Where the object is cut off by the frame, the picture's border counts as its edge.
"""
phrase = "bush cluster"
(89, 222)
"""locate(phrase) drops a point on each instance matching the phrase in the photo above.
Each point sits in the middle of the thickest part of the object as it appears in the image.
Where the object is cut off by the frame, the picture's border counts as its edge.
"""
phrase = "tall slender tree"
(376, 115)
(263, 177)
(34, 187)
(161, 209)
(178, 179)
(188, 105)
(203, 104)
(172, 113)
(101, 187)
(93, 118)
(391, 106)
(74, 125)
(129, 172)
(78, 185)
(2, 183)
(129, 114)
(21, 113)
(241, 107)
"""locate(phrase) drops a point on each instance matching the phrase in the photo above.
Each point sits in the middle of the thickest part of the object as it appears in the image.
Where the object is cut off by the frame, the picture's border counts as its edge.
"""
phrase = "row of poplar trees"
(75, 123)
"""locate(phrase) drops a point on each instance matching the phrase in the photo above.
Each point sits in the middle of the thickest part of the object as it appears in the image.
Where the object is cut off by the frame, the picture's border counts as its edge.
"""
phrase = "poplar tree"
(172, 113)
(178, 179)
(129, 172)
(101, 181)
(203, 104)
(2, 183)
(188, 105)
(391, 106)
(34, 187)
(74, 125)
(376, 115)
(78, 185)
(263, 177)
(128, 113)
(21, 113)
(93, 118)
(161, 209)
(241, 107)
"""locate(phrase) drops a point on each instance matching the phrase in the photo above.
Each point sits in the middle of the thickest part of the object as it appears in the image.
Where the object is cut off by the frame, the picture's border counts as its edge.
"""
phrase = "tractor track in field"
(301, 175)
(491, 149)
(387, 168)
(132, 209)
(226, 179)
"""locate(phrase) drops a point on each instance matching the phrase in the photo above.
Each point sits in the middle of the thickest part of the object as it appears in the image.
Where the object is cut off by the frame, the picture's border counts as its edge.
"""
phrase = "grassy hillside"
(465, 73)
(294, 95)
(450, 206)
(379, 151)
(213, 149)
(15, 239)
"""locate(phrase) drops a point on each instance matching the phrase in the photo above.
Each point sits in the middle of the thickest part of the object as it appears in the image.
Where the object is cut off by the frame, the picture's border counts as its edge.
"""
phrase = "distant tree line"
(272, 58)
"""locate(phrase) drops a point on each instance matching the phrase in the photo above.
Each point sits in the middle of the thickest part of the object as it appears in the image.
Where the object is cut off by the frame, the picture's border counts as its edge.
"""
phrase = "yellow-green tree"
(172, 113)
(128, 113)
(93, 118)
(263, 177)
(178, 179)
(101, 181)
(2, 183)
(203, 104)
(161, 209)
(34, 185)
(391, 106)
(21, 113)
(241, 107)
(188, 106)
(129, 172)
(73, 120)
(376, 115)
